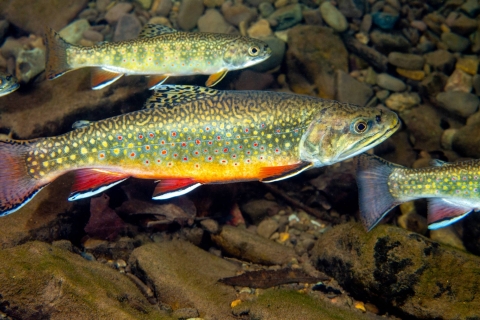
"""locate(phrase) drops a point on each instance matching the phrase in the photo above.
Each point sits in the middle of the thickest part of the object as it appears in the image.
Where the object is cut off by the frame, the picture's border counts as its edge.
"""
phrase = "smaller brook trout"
(452, 189)
(8, 84)
(160, 52)
(189, 136)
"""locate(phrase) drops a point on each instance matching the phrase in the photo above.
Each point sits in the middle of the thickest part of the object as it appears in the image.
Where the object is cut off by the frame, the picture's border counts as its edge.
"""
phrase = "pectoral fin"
(154, 81)
(89, 182)
(442, 212)
(216, 78)
(272, 174)
(170, 188)
(102, 78)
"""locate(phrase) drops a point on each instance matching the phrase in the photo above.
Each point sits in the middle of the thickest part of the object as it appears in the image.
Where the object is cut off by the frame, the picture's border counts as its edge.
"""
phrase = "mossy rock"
(401, 271)
(39, 281)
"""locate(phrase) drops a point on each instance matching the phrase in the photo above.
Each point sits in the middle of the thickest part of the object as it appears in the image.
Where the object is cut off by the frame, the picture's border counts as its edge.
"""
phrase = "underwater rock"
(162, 7)
(461, 103)
(256, 210)
(267, 227)
(459, 81)
(351, 8)
(385, 20)
(213, 21)
(388, 41)
(455, 42)
(3, 29)
(463, 25)
(259, 29)
(441, 60)
(52, 283)
(313, 56)
(333, 17)
(404, 272)
(29, 64)
(104, 223)
(251, 80)
(128, 28)
(468, 64)
(406, 60)
(32, 15)
(386, 81)
(189, 12)
(374, 58)
(74, 31)
(266, 9)
(402, 101)
(287, 17)
(351, 90)
(117, 11)
(476, 84)
(236, 13)
(424, 124)
(92, 35)
(186, 277)
(250, 247)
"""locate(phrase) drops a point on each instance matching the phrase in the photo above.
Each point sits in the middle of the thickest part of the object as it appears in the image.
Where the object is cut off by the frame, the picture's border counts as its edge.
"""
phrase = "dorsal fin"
(154, 30)
(168, 95)
(80, 124)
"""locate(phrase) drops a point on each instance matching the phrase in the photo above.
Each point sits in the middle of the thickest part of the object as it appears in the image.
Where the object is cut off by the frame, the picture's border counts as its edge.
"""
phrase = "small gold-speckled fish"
(452, 189)
(160, 52)
(189, 136)
(8, 84)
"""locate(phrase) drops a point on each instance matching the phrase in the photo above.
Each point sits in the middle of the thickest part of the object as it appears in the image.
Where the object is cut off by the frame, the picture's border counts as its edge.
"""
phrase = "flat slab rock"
(44, 282)
(185, 276)
(401, 271)
(250, 247)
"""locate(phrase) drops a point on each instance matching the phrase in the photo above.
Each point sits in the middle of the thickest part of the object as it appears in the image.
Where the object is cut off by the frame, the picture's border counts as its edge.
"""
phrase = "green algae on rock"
(403, 271)
(44, 282)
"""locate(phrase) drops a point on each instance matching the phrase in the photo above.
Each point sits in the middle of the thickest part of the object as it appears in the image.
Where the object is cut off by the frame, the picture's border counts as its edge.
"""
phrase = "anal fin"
(89, 182)
(170, 188)
(216, 78)
(155, 81)
(442, 213)
(102, 78)
(272, 174)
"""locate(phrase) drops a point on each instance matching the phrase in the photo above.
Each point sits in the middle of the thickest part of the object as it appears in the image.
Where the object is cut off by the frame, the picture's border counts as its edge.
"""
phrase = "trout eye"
(360, 126)
(378, 119)
(253, 51)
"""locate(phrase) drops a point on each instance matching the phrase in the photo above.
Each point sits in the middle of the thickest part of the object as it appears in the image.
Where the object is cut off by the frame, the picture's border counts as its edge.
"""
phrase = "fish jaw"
(344, 131)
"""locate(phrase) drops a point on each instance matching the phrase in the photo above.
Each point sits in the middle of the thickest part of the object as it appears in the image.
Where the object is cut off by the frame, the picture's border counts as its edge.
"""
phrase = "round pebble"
(388, 82)
(333, 17)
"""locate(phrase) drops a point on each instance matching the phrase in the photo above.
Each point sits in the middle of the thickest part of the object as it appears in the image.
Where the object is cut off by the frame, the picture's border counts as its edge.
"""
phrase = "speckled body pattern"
(453, 180)
(8, 84)
(177, 53)
(212, 136)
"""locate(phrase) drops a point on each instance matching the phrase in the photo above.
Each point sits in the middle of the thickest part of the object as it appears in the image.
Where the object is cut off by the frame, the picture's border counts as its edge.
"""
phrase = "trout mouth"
(372, 141)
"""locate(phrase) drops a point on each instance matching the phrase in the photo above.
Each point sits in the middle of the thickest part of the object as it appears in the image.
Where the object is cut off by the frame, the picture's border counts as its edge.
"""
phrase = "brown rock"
(441, 60)
(250, 247)
(424, 124)
(404, 271)
(33, 15)
(186, 277)
(314, 54)
(236, 13)
(189, 12)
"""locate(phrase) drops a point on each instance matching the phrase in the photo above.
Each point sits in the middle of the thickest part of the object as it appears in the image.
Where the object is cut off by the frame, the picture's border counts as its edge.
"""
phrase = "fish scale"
(188, 136)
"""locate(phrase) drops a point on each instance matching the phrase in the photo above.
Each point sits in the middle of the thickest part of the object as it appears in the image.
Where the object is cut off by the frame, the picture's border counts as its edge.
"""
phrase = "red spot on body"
(120, 138)
(209, 158)
(164, 152)
(140, 136)
(219, 138)
(159, 160)
(174, 134)
(246, 130)
(225, 150)
(196, 152)
(216, 151)
(147, 148)
(184, 144)
(278, 130)
(224, 161)
(248, 152)
(132, 154)
(234, 156)
(453, 178)
(255, 144)
(185, 159)
(102, 155)
(263, 125)
(162, 142)
(207, 129)
(151, 135)
(210, 142)
(147, 162)
(175, 155)
(197, 141)
(240, 147)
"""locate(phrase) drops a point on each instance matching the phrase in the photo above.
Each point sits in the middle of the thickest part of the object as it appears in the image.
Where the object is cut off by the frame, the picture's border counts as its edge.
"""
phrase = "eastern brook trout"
(452, 189)
(159, 51)
(189, 136)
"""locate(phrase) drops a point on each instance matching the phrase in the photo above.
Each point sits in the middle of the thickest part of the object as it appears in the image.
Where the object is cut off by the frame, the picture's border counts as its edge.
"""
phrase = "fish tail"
(375, 199)
(56, 57)
(17, 186)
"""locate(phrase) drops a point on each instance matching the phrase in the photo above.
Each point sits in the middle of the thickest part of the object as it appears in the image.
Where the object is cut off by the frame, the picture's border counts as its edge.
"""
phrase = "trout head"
(8, 84)
(342, 131)
(244, 52)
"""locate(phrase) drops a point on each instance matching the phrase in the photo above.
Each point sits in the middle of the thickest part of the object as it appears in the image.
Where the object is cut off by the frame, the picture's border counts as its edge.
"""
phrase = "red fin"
(89, 182)
(17, 187)
(271, 174)
(170, 188)
(102, 78)
(154, 81)
(442, 212)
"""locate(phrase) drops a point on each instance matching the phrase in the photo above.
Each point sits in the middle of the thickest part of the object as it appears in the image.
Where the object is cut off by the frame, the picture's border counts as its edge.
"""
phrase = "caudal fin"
(56, 57)
(375, 200)
(17, 187)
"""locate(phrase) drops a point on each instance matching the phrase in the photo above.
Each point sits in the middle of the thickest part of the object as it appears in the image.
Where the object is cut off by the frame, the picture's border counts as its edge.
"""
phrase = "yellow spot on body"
(73, 157)
(32, 171)
(59, 160)
(83, 151)
(105, 144)
(90, 159)
(34, 163)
